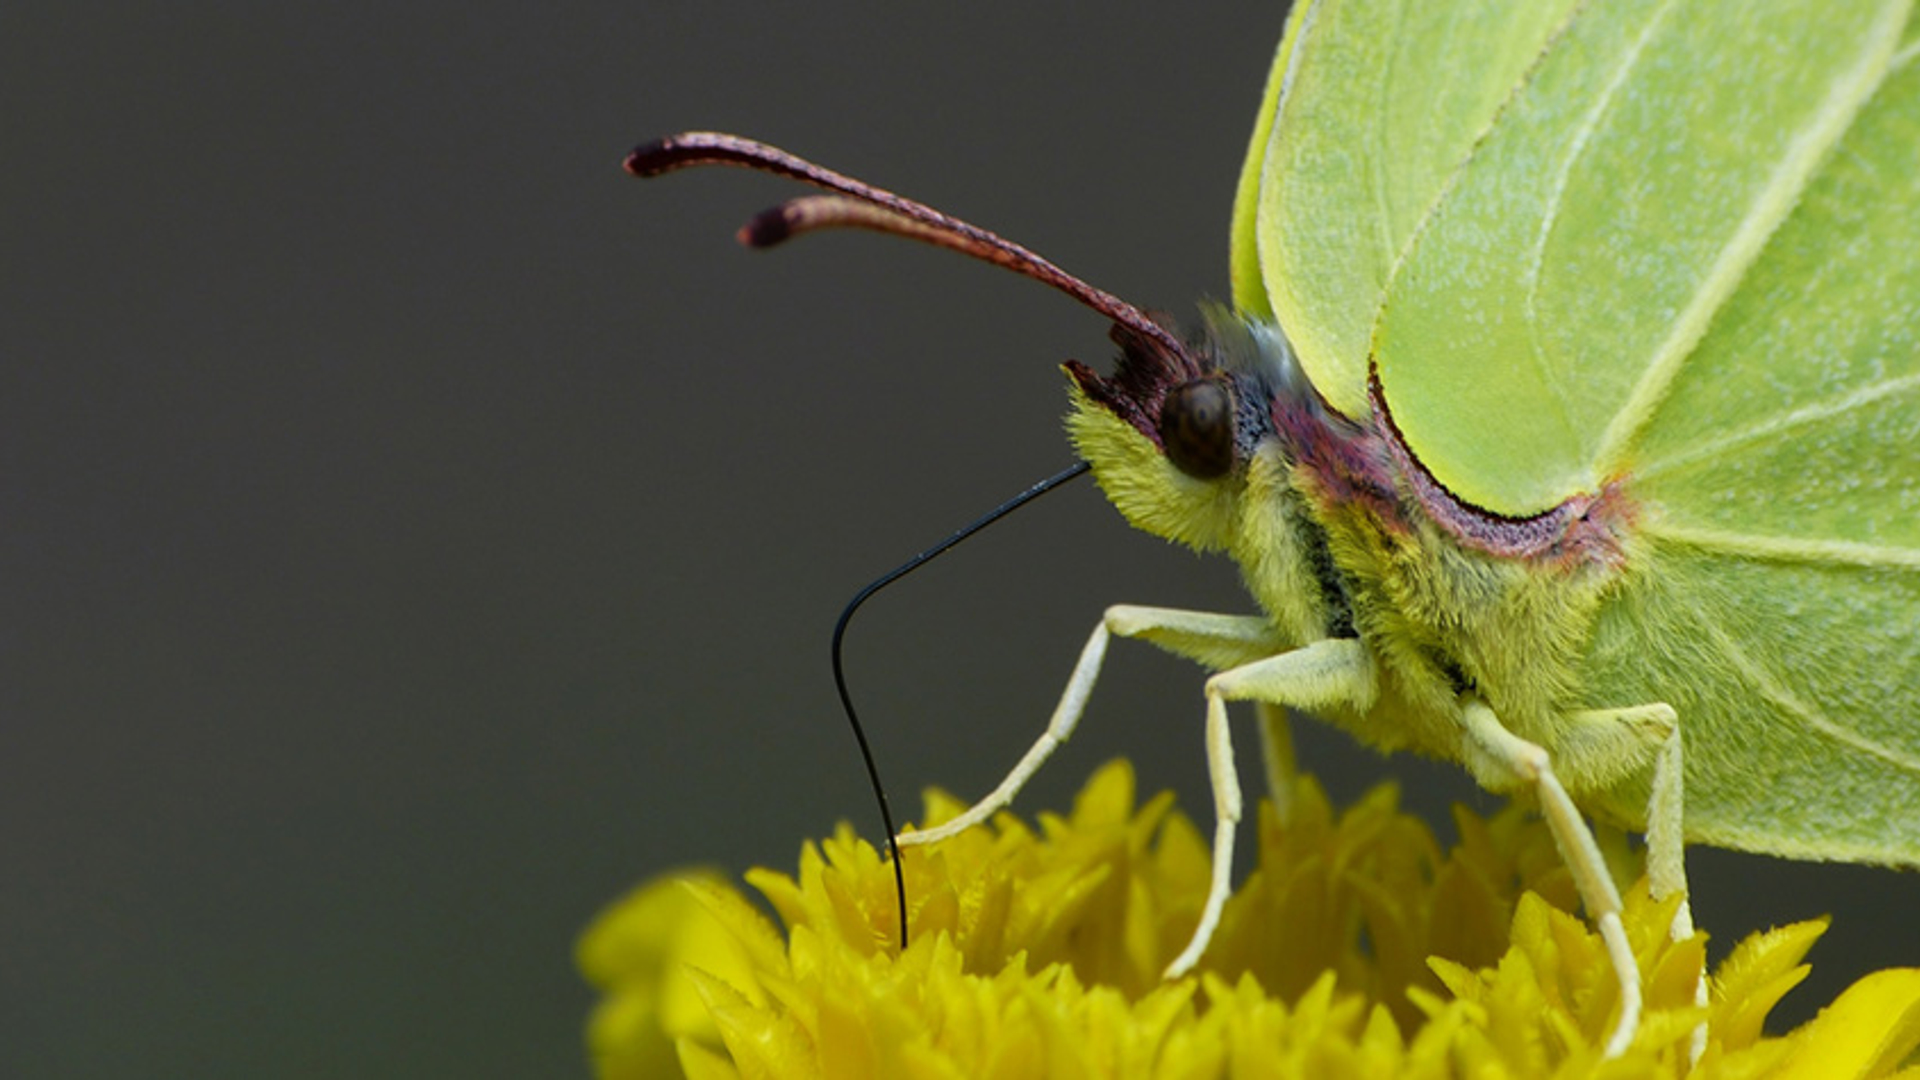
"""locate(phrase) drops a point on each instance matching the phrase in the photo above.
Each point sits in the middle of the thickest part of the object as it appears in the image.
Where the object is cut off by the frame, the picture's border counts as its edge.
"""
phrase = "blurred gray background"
(414, 532)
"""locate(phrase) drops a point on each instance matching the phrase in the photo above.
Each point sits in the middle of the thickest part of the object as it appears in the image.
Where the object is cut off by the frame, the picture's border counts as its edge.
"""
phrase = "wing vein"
(1771, 204)
(1784, 422)
(1556, 194)
(1382, 202)
(1762, 679)
(1787, 548)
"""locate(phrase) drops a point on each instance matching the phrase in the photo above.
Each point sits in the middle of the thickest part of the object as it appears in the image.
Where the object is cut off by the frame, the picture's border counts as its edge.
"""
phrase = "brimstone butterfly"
(1567, 425)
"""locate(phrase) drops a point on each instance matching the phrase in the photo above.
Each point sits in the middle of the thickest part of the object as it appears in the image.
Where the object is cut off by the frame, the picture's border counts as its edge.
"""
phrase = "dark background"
(414, 532)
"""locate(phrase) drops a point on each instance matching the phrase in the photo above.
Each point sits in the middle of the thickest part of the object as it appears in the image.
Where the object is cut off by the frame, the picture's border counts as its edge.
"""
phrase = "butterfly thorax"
(1340, 532)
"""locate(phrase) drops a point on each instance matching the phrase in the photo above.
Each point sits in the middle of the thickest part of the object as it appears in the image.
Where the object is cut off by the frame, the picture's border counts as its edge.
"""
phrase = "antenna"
(859, 205)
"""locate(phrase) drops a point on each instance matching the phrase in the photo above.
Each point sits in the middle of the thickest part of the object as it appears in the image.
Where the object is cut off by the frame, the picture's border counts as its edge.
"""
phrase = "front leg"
(1332, 672)
(1215, 640)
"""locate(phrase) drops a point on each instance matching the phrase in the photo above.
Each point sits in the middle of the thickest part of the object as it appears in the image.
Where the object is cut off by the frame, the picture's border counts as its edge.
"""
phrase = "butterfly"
(1565, 423)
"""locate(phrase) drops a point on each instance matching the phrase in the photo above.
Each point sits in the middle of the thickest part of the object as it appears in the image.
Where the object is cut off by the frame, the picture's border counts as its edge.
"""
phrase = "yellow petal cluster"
(1356, 948)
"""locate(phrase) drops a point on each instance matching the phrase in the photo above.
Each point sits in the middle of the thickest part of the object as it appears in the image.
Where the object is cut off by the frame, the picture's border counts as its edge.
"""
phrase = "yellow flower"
(1357, 948)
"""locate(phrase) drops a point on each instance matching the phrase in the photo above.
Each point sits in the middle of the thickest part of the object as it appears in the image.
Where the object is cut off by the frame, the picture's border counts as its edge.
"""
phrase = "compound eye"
(1196, 428)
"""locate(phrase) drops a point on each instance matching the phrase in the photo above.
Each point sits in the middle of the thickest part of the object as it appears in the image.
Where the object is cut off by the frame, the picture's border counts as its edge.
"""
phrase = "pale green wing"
(1243, 253)
(1370, 110)
(1562, 284)
(1779, 483)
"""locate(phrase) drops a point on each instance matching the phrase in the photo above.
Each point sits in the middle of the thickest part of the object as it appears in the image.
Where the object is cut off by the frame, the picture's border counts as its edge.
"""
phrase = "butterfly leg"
(1276, 755)
(1634, 729)
(1500, 759)
(1666, 859)
(1220, 640)
(1331, 672)
(1604, 742)
(1610, 742)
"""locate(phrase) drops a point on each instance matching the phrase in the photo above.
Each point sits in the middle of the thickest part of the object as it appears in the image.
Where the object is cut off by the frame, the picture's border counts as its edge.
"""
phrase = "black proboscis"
(839, 637)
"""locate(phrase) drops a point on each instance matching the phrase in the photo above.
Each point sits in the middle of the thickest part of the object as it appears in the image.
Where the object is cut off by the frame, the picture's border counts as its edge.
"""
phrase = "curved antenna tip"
(648, 159)
(678, 151)
(767, 228)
